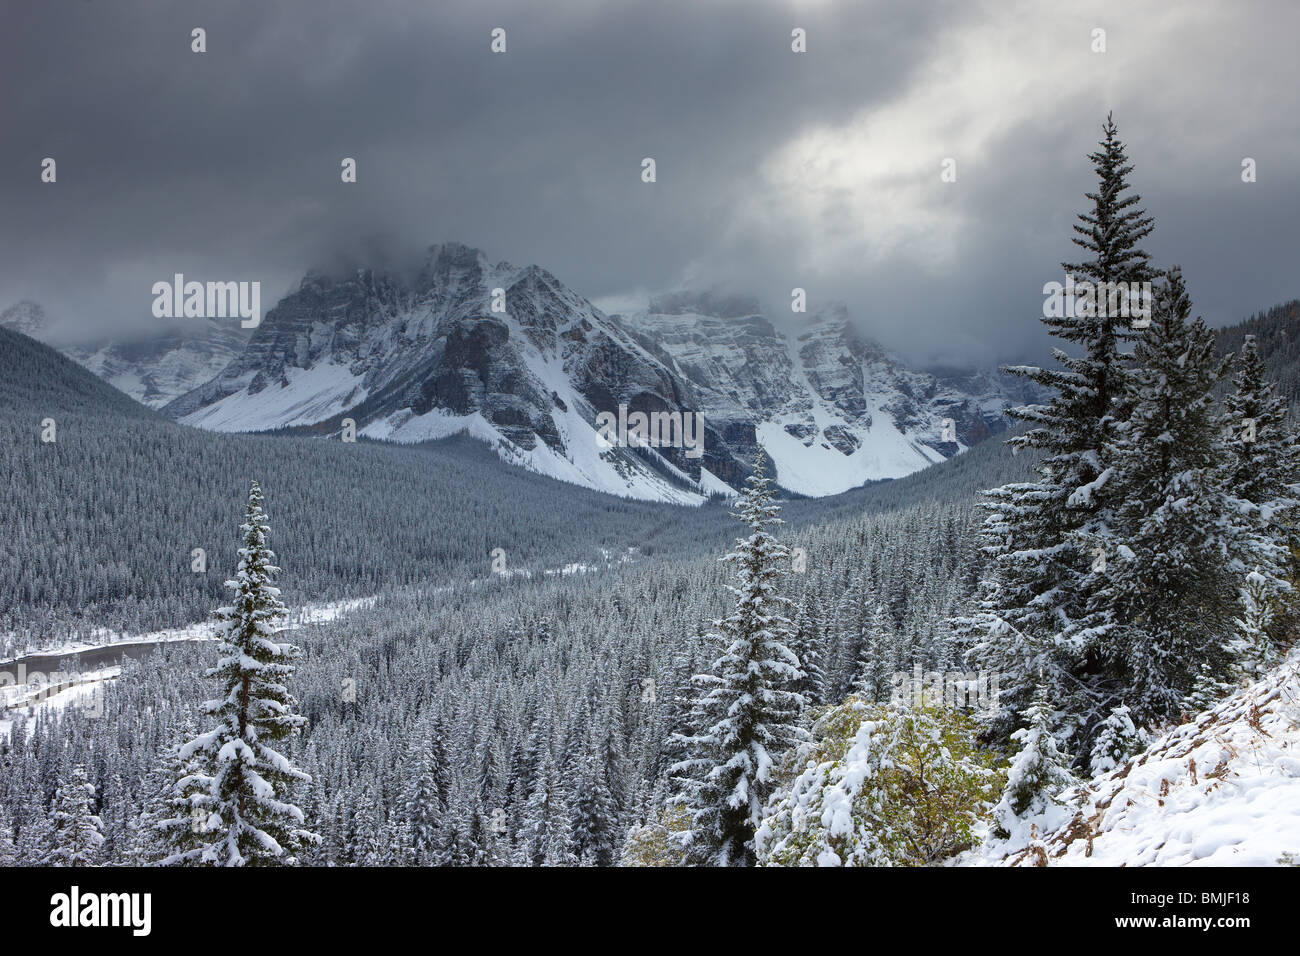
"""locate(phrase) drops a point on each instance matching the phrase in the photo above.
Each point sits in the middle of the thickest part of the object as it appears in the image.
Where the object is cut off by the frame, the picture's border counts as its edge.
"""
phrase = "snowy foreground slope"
(1220, 790)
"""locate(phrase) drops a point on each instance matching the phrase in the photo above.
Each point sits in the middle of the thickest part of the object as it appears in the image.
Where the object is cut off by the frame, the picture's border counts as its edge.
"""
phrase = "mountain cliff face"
(421, 359)
(515, 358)
(832, 409)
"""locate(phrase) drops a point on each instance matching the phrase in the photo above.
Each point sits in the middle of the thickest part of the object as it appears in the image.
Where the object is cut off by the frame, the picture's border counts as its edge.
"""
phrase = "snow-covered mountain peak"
(832, 408)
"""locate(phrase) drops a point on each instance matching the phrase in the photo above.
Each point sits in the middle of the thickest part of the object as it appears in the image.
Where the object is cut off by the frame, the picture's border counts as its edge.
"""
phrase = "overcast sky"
(775, 169)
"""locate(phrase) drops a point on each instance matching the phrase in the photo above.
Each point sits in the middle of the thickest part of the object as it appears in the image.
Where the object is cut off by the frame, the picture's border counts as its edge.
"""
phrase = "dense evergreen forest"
(1275, 333)
(429, 712)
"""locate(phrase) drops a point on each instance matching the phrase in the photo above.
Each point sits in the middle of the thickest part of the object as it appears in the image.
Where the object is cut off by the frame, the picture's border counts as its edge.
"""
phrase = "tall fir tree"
(1265, 462)
(240, 801)
(744, 714)
(808, 642)
(370, 844)
(595, 823)
(1264, 469)
(428, 792)
(1036, 596)
(853, 626)
(1175, 554)
(36, 831)
(545, 834)
(1253, 648)
(879, 658)
(165, 823)
(481, 847)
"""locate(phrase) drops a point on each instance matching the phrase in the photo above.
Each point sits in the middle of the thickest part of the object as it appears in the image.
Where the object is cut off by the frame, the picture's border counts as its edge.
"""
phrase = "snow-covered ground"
(819, 470)
(1220, 790)
(309, 396)
(28, 700)
(203, 630)
(576, 567)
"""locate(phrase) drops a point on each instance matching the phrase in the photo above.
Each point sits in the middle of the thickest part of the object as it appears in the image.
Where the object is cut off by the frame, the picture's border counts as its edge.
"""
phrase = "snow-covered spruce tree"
(1179, 543)
(481, 843)
(525, 766)
(370, 845)
(677, 697)
(1037, 532)
(427, 794)
(594, 823)
(854, 616)
(1254, 651)
(545, 837)
(1265, 462)
(78, 833)
(35, 833)
(164, 823)
(808, 643)
(1039, 773)
(239, 802)
(1264, 469)
(1118, 740)
(744, 716)
(877, 659)
(115, 813)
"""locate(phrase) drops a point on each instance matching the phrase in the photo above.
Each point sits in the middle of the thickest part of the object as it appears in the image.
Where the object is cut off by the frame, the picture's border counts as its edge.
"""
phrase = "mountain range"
(517, 359)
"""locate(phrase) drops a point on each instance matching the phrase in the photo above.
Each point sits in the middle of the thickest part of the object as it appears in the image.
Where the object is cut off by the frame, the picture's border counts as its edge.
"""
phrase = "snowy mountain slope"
(832, 409)
(412, 360)
(1220, 790)
(156, 370)
(151, 369)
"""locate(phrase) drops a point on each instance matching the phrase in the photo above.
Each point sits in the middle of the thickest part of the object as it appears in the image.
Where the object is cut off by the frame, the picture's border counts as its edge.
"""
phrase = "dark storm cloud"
(775, 170)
